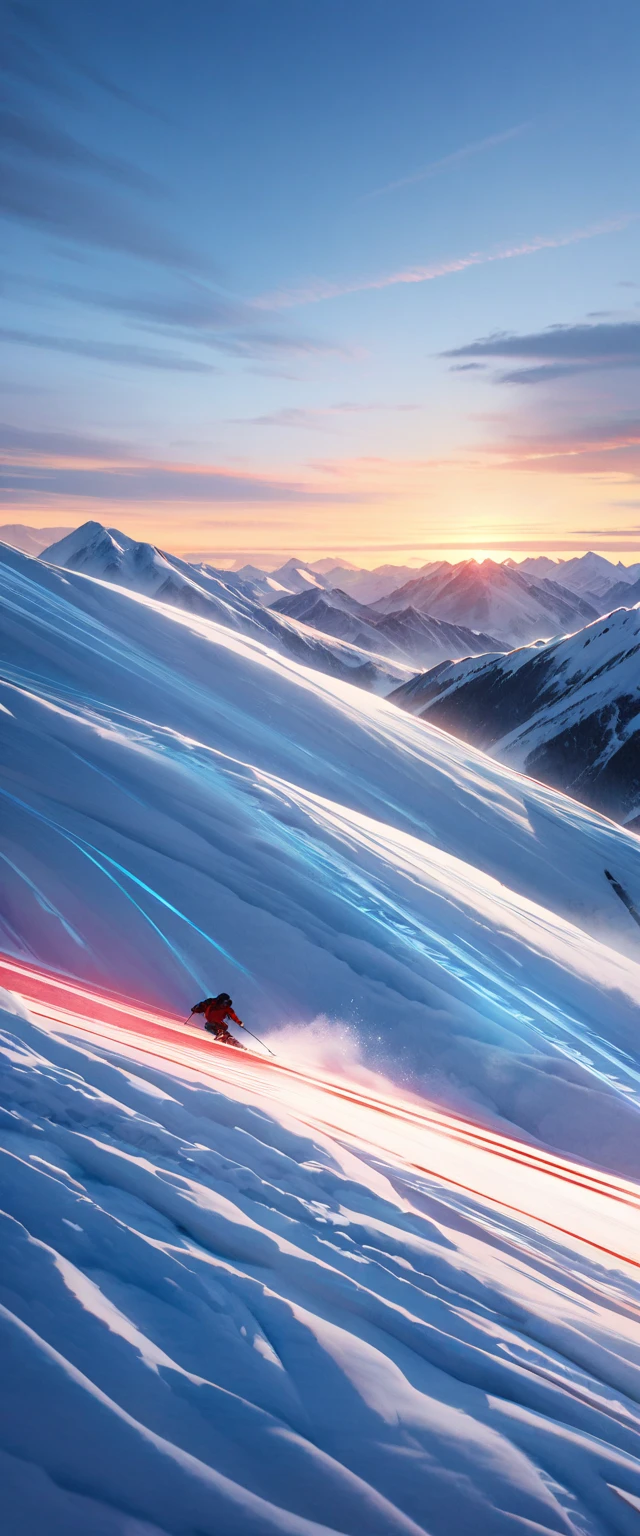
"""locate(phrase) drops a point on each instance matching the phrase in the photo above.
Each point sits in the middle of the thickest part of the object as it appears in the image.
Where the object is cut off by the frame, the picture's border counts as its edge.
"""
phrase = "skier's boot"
(224, 1037)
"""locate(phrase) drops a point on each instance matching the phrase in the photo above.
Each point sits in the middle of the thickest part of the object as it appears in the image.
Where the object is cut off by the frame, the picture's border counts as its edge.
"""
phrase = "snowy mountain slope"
(94, 549)
(260, 583)
(189, 810)
(493, 599)
(294, 576)
(412, 636)
(297, 576)
(224, 596)
(591, 575)
(218, 1319)
(567, 712)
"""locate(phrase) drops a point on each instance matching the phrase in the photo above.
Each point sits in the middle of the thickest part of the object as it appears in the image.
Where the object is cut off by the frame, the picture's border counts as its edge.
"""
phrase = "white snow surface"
(187, 811)
(218, 1321)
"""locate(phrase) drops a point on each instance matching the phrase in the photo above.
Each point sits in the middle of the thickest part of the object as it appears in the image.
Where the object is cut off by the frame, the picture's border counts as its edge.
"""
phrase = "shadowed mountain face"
(624, 594)
(493, 599)
(567, 712)
(413, 636)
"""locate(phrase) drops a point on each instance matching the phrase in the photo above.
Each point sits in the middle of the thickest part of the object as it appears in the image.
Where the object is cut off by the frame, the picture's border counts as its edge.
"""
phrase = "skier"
(216, 1011)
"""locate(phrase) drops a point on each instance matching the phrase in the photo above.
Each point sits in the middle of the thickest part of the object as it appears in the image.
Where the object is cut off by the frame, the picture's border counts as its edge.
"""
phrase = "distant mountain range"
(412, 636)
(591, 575)
(567, 712)
(224, 596)
(624, 595)
(564, 710)
(322, 627)
(494, 599)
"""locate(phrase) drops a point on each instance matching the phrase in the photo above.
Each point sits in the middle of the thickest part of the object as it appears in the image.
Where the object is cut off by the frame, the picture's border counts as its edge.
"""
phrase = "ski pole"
(260, 1042)
(186, 1021)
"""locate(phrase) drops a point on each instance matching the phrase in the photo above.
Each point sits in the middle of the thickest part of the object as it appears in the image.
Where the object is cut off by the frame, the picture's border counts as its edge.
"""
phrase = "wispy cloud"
(448, 162)
(123, 353)
(601, 448)
(39, 466)
(319, 291)
(37, 52)
(30, 445)
(75, 211)
(616, 533)
(26, 133)
(323, 418)
(196, 312)
(170, 485)
(49, 178)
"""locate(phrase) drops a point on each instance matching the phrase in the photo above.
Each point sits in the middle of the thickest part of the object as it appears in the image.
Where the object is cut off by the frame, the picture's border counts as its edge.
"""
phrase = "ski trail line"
(584, 1205)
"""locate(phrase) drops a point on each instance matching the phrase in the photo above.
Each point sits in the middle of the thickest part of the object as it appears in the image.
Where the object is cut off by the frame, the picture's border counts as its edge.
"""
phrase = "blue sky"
(352, 277)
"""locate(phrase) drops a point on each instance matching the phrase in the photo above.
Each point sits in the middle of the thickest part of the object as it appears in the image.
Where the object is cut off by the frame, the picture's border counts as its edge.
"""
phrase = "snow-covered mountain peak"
(493, 599)
(590, 575)
(297, 576)
(90, 544)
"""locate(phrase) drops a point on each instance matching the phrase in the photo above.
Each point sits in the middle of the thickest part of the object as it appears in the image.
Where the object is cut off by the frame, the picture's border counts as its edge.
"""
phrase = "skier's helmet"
(223, 997)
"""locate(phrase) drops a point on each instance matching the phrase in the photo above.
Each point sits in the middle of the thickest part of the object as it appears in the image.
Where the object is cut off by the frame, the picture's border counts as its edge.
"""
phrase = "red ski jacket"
(215, 1013)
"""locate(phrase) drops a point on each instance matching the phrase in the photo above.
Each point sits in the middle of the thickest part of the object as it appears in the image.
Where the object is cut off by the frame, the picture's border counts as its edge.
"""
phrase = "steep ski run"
(187, 812)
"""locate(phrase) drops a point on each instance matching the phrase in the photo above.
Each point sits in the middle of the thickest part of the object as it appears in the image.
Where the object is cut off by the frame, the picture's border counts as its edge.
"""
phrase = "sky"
(352, 277)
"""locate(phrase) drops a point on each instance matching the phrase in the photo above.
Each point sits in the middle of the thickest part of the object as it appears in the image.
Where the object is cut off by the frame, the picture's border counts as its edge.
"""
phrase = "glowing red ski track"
(588, 1207)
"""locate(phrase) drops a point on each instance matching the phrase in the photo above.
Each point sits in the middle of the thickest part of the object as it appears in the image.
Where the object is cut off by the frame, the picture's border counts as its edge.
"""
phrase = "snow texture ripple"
(216, 1322)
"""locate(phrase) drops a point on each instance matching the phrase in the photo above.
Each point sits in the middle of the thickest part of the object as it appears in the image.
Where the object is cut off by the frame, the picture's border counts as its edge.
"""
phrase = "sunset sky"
(324, 276)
